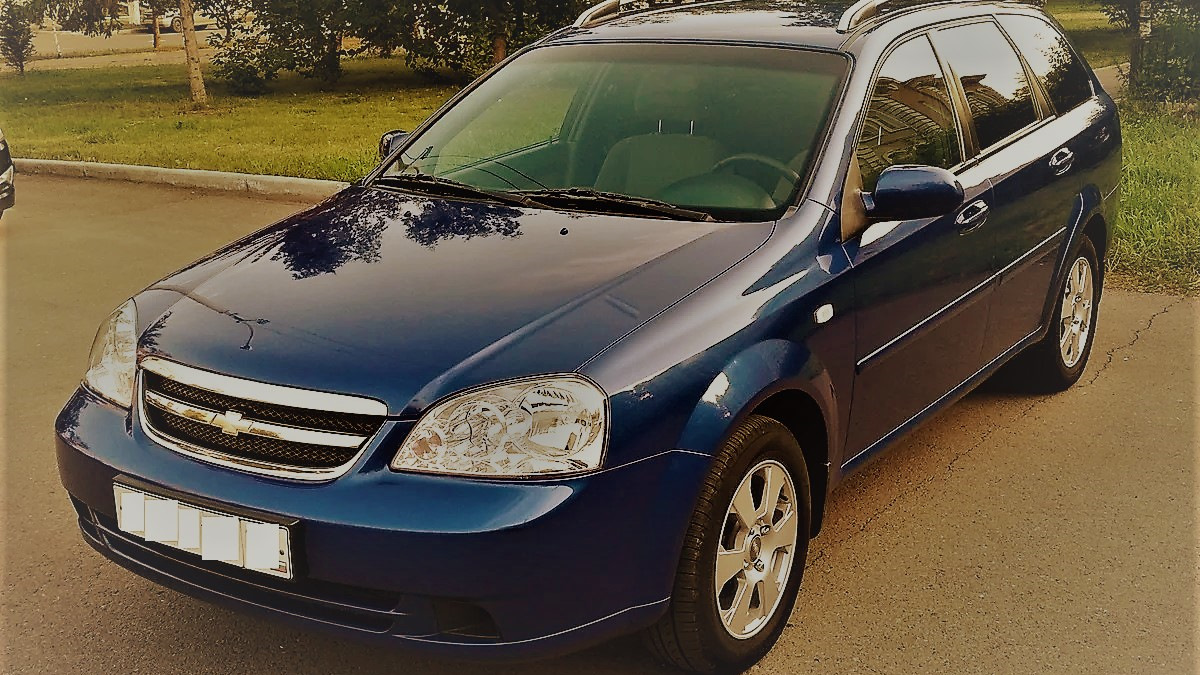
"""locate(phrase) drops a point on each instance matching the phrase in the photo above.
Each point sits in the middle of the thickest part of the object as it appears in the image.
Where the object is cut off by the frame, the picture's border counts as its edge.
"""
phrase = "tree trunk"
(1141, 38)
(192, 48)
(330, 68)
(499, 48)
(157, 31)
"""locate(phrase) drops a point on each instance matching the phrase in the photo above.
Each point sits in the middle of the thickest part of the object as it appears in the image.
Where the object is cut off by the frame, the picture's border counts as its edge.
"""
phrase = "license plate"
(212, 535)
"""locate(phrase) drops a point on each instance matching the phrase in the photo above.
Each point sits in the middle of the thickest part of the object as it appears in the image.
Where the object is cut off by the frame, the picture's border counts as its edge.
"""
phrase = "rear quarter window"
(1049, 55)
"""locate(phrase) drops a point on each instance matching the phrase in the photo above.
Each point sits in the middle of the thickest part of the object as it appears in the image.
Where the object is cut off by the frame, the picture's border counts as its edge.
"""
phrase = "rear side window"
(910, 119)
(993, 78)
(1048, 54)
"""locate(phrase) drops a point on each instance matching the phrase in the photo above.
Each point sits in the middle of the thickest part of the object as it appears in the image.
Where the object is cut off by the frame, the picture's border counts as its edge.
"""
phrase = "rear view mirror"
(390, 141)
(908, 192)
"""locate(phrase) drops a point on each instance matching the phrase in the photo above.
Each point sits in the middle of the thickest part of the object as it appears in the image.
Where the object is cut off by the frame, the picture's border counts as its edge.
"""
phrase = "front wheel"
(177, 24)
(743, 554)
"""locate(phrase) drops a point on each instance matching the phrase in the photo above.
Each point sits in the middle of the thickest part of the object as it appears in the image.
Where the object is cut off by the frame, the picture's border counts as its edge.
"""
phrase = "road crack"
(1137, 335)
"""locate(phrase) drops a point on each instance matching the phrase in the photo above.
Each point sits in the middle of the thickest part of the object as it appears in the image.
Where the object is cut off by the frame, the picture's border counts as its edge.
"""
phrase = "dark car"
(586, 354)
(8, 192)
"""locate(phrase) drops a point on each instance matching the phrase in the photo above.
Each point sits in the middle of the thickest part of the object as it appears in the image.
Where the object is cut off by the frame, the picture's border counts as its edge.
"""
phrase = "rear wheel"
(1057, 362)
(743, 555)
(177, 24)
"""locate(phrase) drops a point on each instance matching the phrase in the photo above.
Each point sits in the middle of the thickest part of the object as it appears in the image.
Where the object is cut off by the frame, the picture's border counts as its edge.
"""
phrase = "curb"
(273, 187)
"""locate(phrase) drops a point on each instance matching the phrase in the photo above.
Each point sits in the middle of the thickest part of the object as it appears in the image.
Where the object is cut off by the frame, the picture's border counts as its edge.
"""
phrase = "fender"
(1088, 204)
(753, 376)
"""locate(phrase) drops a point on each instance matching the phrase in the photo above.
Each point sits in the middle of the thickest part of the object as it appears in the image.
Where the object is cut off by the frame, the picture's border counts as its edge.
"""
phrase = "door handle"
(973, 217)
(1061, 161)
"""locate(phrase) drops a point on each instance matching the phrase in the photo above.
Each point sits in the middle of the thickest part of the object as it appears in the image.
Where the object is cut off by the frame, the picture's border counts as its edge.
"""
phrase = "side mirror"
(390, 141)
(908, 192)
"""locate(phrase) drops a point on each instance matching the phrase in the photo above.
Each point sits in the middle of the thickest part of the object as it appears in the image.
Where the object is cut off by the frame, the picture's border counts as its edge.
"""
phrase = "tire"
(177, 24)
(1048, 366)
(693, 635)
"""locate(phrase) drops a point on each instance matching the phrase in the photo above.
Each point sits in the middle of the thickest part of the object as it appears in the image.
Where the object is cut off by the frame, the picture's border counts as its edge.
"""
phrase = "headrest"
(677, 99)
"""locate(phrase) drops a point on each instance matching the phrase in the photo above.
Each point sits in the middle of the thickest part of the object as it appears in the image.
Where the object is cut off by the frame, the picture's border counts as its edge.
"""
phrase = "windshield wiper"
(625, 203)
(444, 186)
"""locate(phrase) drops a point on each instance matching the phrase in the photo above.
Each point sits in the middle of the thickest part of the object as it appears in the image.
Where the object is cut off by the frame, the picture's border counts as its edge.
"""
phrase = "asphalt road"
(1012, 534)
(73, 44)
(131, 47)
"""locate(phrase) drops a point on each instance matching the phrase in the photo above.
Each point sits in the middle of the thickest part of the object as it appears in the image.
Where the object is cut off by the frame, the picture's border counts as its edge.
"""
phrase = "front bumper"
(466, 568)
(8, 193)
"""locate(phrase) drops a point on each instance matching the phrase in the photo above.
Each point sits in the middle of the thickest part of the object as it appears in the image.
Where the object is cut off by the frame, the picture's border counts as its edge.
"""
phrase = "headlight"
(527, 428)
(113, 362)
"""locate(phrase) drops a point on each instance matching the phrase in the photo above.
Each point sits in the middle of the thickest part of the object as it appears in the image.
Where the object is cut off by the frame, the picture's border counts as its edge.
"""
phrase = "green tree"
(156, 9)
(1164, 58)
(93, 17)
(1164, 62)
(472, 36)
(311, 36)
(231, 16)
(308, 33)
(102, 17)
(16, 35)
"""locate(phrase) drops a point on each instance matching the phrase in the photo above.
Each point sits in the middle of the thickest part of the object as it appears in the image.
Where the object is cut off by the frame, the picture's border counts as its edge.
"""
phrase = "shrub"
(16, 35)
(245, 61)
(1169, 65)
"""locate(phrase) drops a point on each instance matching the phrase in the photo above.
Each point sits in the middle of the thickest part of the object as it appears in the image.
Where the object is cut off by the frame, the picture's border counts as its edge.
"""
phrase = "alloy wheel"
(756, 549)
(1075, 320)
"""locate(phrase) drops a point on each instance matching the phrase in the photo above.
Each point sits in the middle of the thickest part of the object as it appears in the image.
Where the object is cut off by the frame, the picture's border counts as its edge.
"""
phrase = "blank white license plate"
(212, 535)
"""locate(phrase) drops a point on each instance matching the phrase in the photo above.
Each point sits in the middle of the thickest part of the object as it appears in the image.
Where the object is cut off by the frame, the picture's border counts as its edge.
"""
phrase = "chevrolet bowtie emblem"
(231, 423)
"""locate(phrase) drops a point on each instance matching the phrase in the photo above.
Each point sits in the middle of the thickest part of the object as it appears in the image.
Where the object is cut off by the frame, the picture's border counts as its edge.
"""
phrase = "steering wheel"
(755, 158)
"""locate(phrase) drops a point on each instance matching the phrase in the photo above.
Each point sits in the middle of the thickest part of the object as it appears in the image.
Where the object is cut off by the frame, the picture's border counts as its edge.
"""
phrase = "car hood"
(406, 299)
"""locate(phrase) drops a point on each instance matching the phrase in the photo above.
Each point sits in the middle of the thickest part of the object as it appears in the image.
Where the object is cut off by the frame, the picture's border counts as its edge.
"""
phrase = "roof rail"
(611, 9)
(598, 13)
(864, 10)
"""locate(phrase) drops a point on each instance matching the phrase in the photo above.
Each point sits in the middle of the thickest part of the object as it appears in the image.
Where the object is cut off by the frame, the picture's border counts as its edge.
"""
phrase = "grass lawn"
(1090, 31)
(1158, 234)
(140, 115)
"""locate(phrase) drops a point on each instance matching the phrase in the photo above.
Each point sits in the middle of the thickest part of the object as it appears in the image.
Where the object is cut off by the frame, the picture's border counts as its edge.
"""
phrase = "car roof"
(797, 23)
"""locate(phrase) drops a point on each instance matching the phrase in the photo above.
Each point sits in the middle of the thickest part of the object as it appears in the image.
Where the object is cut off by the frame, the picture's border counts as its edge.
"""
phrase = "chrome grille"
(254, 426)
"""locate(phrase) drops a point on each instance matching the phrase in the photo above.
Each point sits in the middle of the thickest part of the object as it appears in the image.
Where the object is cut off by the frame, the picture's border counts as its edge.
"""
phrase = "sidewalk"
(1111, 80)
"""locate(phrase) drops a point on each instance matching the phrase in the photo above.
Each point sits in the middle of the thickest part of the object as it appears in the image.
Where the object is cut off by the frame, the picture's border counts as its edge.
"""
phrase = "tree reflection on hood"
(351, 229)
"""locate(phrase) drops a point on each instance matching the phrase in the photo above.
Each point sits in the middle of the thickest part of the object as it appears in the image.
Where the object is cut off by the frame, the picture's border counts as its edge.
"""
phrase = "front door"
(921, 286)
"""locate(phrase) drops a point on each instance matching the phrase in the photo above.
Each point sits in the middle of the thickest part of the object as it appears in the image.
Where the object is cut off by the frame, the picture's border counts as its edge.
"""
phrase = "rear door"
(1067, 141)
(1029, 158)
(922, 297)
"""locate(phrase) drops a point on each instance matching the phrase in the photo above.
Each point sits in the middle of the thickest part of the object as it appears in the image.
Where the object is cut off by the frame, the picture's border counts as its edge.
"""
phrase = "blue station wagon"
(587, 352)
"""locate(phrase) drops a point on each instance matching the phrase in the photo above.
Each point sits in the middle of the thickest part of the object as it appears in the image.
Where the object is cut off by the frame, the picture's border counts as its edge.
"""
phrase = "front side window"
(1048, 54)
(724, 130)
(910, 119)
(992, 77)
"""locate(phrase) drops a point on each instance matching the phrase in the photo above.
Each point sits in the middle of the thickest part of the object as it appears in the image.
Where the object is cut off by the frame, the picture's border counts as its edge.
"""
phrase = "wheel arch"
(1087, 219)
(1097, 229)
(800, 413)
(782, 380)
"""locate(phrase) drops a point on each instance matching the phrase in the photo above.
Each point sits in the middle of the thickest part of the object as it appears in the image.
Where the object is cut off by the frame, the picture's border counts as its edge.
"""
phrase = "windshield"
(727, 131)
